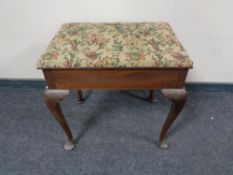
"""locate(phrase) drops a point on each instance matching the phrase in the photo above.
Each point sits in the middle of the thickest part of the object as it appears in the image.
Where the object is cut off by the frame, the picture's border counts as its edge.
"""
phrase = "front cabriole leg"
(178, 99)
(52, 98)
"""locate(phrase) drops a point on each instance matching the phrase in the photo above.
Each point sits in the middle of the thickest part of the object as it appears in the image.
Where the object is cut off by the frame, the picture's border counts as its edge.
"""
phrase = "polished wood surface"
(118, 79)
(52, 99)
(169, 80)
(178, 99)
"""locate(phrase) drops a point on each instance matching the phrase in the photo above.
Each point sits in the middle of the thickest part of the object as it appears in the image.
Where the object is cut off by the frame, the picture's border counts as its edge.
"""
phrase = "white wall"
(204, 27)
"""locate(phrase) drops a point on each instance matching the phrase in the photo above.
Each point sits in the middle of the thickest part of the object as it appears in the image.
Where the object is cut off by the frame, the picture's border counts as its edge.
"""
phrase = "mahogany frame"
(170, 80)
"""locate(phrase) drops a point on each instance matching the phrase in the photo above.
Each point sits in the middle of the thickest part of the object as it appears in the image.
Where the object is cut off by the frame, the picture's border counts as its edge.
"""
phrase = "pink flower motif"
(73, 44)
(55, 55)
(172, 40)
(179, 65)
(153, 44)
(177, 55)
(91, 54)
(94, 39)
(142, 56)
(146, 33)
(75, 33)
(66, 65)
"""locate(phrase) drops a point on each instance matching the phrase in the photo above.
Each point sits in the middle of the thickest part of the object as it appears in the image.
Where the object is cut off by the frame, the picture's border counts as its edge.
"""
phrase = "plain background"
(204, 27)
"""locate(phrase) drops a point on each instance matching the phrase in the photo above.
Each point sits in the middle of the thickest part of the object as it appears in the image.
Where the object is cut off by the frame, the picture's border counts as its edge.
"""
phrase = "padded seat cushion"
(115, 45)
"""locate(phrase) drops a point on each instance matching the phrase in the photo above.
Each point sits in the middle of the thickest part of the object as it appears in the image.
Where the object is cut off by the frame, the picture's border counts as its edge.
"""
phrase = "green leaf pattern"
(115, 45)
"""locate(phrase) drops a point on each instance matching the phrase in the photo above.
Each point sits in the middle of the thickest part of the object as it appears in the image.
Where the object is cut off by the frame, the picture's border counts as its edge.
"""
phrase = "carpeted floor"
(116, 134)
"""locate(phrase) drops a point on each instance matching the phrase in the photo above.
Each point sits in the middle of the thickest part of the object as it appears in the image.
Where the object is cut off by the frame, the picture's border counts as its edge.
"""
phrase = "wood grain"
(118, 79)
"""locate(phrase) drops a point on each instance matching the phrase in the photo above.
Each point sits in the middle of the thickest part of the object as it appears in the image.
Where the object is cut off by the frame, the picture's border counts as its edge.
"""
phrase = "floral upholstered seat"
(114, 45)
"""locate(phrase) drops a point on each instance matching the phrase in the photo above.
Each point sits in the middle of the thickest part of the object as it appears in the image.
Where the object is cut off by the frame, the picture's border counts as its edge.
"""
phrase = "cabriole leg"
(52, 97)
(178, 99)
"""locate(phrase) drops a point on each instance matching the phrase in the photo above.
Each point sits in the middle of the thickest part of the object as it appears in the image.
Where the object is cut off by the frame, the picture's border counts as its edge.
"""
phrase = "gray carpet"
(116, 133)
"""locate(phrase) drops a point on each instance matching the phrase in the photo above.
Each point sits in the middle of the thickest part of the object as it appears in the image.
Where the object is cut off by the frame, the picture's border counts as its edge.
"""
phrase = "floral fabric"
(114, 45)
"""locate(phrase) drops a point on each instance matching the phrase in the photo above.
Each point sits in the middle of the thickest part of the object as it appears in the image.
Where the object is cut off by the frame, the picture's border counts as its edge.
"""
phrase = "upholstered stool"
(115, 56)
